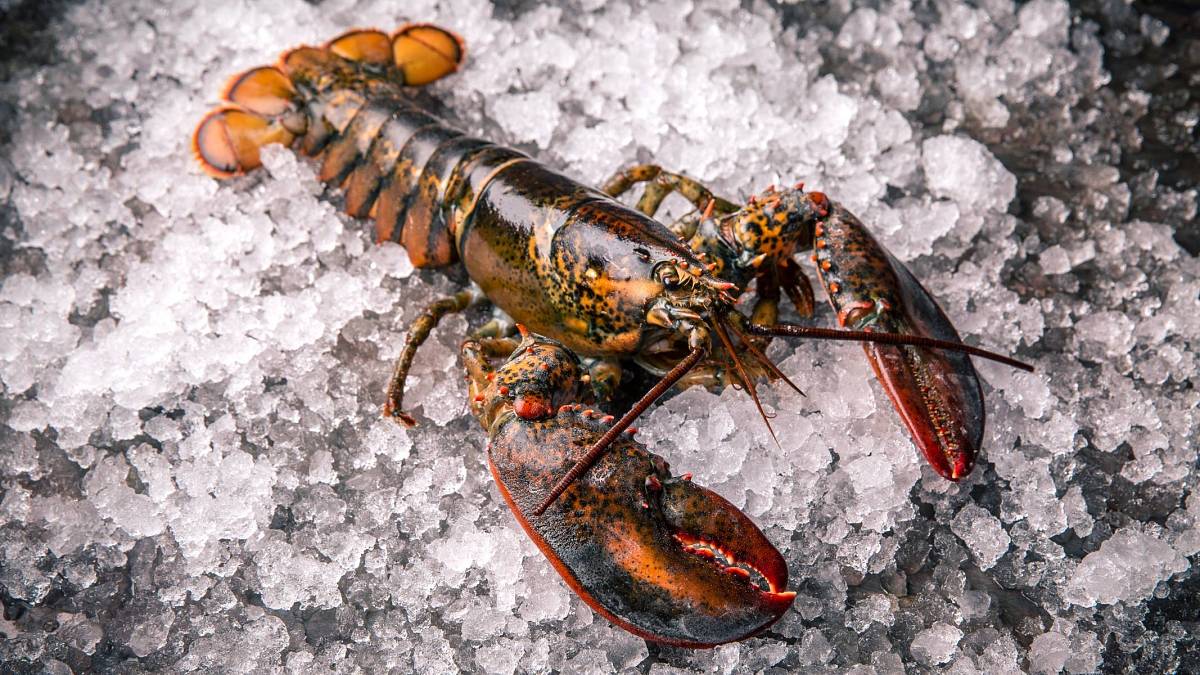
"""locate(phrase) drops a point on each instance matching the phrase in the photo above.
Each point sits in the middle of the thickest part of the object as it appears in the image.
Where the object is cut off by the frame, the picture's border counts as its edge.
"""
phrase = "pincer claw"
(659, 556)
(937, 393)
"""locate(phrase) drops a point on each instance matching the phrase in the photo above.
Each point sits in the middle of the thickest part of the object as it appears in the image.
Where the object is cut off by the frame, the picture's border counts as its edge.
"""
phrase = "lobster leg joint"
(418, 332)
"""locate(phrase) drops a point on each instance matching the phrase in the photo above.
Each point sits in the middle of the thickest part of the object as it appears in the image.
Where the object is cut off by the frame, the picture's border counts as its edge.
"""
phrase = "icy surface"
(195, 476)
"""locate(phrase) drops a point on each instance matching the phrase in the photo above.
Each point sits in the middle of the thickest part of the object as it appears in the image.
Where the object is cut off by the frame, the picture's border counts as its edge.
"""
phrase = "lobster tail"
(367, 46)
(227, 140)
(264, 90)
(425, 53)
(420, 53)
(346, 103)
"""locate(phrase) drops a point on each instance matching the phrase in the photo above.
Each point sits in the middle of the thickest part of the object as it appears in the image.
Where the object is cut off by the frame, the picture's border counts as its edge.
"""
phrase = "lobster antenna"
(601, 446)
(762, 358)
(794, 330)
(747, 381)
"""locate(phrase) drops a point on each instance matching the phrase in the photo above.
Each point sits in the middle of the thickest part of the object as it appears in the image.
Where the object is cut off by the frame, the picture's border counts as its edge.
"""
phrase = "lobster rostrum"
(603, 282)
(656, 554)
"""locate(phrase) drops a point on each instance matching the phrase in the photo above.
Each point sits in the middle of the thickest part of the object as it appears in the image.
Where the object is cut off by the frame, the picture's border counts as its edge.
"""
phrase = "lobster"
(607, 285)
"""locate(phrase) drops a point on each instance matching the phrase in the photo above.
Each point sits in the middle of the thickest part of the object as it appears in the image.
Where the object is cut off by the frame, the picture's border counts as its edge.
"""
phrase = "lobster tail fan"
(228, 139)
(425, 53)
(265, 91)
(365, 46)
(308, 64)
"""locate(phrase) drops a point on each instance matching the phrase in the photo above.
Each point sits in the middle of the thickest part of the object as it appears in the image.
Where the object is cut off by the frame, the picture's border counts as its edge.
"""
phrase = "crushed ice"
(195, 473)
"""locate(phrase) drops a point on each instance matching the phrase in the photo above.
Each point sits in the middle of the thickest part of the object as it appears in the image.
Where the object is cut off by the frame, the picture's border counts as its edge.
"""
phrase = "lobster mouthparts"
(663, 558)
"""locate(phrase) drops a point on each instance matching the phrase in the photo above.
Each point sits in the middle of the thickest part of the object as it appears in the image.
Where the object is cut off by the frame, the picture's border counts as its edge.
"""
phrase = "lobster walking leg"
(418, 332)
(624, 179)
(787, 276)
(621, 182)
(797, 286)
(766, 304)
(663, 183)
(605, 376)
(497, 327)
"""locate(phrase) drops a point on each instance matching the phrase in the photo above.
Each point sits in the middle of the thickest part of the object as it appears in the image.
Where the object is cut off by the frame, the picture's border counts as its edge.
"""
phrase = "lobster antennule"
(747, 381)
(762, 359)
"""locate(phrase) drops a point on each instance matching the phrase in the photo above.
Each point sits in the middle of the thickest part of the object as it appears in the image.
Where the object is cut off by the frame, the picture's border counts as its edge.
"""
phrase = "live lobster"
(602, 285)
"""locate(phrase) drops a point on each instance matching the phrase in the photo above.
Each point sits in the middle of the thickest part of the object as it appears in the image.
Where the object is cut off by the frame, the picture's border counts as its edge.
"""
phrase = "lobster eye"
(668, 275)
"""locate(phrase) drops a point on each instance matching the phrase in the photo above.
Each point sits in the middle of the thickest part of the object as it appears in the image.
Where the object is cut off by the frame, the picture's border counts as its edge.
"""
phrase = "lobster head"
(656, 554)
(699, 293)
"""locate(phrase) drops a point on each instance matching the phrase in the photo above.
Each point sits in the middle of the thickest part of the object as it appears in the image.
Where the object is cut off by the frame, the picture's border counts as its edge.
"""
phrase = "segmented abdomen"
(347, 103)
(410, 172)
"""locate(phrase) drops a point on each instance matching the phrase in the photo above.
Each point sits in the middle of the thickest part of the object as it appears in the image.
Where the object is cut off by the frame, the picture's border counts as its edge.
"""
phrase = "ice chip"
(936, 644)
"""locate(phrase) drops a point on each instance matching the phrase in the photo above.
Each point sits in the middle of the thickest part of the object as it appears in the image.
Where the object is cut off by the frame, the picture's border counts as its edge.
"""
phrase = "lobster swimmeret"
(612, 285)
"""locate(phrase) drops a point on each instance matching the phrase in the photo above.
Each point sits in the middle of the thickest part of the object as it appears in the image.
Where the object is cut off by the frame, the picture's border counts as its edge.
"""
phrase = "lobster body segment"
(658, 555)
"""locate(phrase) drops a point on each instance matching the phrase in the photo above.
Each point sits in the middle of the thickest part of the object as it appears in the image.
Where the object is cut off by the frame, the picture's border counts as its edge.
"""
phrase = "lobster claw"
(936, 392)
(659, 556)
(662, 558)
